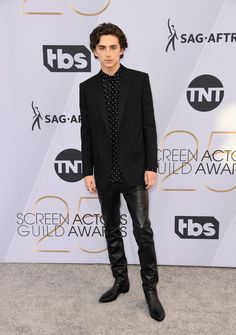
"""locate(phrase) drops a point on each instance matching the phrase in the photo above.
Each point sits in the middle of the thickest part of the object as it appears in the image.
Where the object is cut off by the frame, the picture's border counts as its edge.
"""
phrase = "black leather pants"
(137, 203)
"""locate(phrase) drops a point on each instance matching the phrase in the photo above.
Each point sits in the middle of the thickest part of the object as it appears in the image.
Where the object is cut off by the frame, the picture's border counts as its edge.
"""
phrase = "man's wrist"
(151, 169)
(88, 175)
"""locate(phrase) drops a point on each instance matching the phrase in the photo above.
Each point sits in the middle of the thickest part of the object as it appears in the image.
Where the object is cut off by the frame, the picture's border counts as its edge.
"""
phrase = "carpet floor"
(62, 299)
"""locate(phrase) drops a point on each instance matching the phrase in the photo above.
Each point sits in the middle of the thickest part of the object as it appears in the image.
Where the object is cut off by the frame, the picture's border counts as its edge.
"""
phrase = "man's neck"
(111, 71)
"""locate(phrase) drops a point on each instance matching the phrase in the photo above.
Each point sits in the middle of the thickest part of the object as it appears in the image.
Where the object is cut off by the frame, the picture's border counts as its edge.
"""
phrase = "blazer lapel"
(124, 93)
(101, 101)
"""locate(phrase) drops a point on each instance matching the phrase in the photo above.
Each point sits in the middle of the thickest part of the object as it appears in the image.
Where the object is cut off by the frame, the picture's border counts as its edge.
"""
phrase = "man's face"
(108, 51)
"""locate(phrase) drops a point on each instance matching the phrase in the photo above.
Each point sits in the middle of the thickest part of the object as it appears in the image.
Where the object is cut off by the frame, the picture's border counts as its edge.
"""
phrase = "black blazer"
(137, 139)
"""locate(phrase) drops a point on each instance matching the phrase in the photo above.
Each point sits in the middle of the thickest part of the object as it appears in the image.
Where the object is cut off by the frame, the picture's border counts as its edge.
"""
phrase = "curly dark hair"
(107, 29)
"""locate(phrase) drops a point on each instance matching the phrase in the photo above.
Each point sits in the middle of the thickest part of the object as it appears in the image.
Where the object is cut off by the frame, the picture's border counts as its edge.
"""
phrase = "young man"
(119, 150)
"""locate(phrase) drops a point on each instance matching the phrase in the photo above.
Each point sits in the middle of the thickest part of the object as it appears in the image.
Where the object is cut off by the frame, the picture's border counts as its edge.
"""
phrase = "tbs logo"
(67, 58)
(197, 227)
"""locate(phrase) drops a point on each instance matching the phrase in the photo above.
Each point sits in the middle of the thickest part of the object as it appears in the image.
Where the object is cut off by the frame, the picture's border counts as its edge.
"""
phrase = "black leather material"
(155, 307)
(110, 206)
(118, 288)
(137, 202)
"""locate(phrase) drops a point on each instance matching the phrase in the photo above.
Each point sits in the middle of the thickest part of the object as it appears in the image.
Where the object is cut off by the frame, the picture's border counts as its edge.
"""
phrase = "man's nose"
(108, 52)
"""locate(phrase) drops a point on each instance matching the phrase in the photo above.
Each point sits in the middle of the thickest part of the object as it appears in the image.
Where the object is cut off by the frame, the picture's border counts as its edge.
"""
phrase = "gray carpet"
(62, 299)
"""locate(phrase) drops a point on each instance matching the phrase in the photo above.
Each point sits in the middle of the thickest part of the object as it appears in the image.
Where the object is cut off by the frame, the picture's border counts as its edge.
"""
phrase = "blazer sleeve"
(149, 127)
(86, 140)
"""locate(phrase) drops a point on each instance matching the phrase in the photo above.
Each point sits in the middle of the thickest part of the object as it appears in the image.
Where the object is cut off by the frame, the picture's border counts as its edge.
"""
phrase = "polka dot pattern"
(111, 89)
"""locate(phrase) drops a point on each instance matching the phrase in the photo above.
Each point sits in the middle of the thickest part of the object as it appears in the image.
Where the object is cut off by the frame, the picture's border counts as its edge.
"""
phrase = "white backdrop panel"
(45, 217)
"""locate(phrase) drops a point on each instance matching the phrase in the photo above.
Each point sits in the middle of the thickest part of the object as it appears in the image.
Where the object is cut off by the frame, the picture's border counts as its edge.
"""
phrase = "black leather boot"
(110, 204)
(113, 293)
(155, 307)
(137, 201)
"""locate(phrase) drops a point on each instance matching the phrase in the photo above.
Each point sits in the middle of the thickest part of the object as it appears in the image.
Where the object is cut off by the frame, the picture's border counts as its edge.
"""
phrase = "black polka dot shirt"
(111, 89)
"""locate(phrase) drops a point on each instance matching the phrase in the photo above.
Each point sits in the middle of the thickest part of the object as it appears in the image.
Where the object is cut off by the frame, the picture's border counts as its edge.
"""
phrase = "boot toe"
(158, 315)
(113, 293)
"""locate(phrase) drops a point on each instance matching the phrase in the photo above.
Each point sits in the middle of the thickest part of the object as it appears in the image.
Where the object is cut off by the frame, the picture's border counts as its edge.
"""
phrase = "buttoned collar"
(116, 75)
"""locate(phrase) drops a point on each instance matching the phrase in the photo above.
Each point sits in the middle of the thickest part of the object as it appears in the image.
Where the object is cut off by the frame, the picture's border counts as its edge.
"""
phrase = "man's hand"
(150, 178)
(90, 184)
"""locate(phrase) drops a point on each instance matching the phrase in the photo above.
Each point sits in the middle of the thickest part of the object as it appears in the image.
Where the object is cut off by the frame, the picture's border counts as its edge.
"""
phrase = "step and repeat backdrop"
(188, 47)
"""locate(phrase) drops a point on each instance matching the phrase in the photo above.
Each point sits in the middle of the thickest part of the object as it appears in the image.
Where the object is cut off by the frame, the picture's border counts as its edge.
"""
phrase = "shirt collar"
(114, 76)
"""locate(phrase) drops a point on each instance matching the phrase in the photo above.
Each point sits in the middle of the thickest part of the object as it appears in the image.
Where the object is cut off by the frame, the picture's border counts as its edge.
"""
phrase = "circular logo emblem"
(68, 165)
(205, 93)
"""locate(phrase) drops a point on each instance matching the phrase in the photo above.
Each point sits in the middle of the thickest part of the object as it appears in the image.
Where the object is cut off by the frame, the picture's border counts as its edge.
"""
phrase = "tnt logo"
(67, 58)
(205, 93)
(197, 227)
(68, 165)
